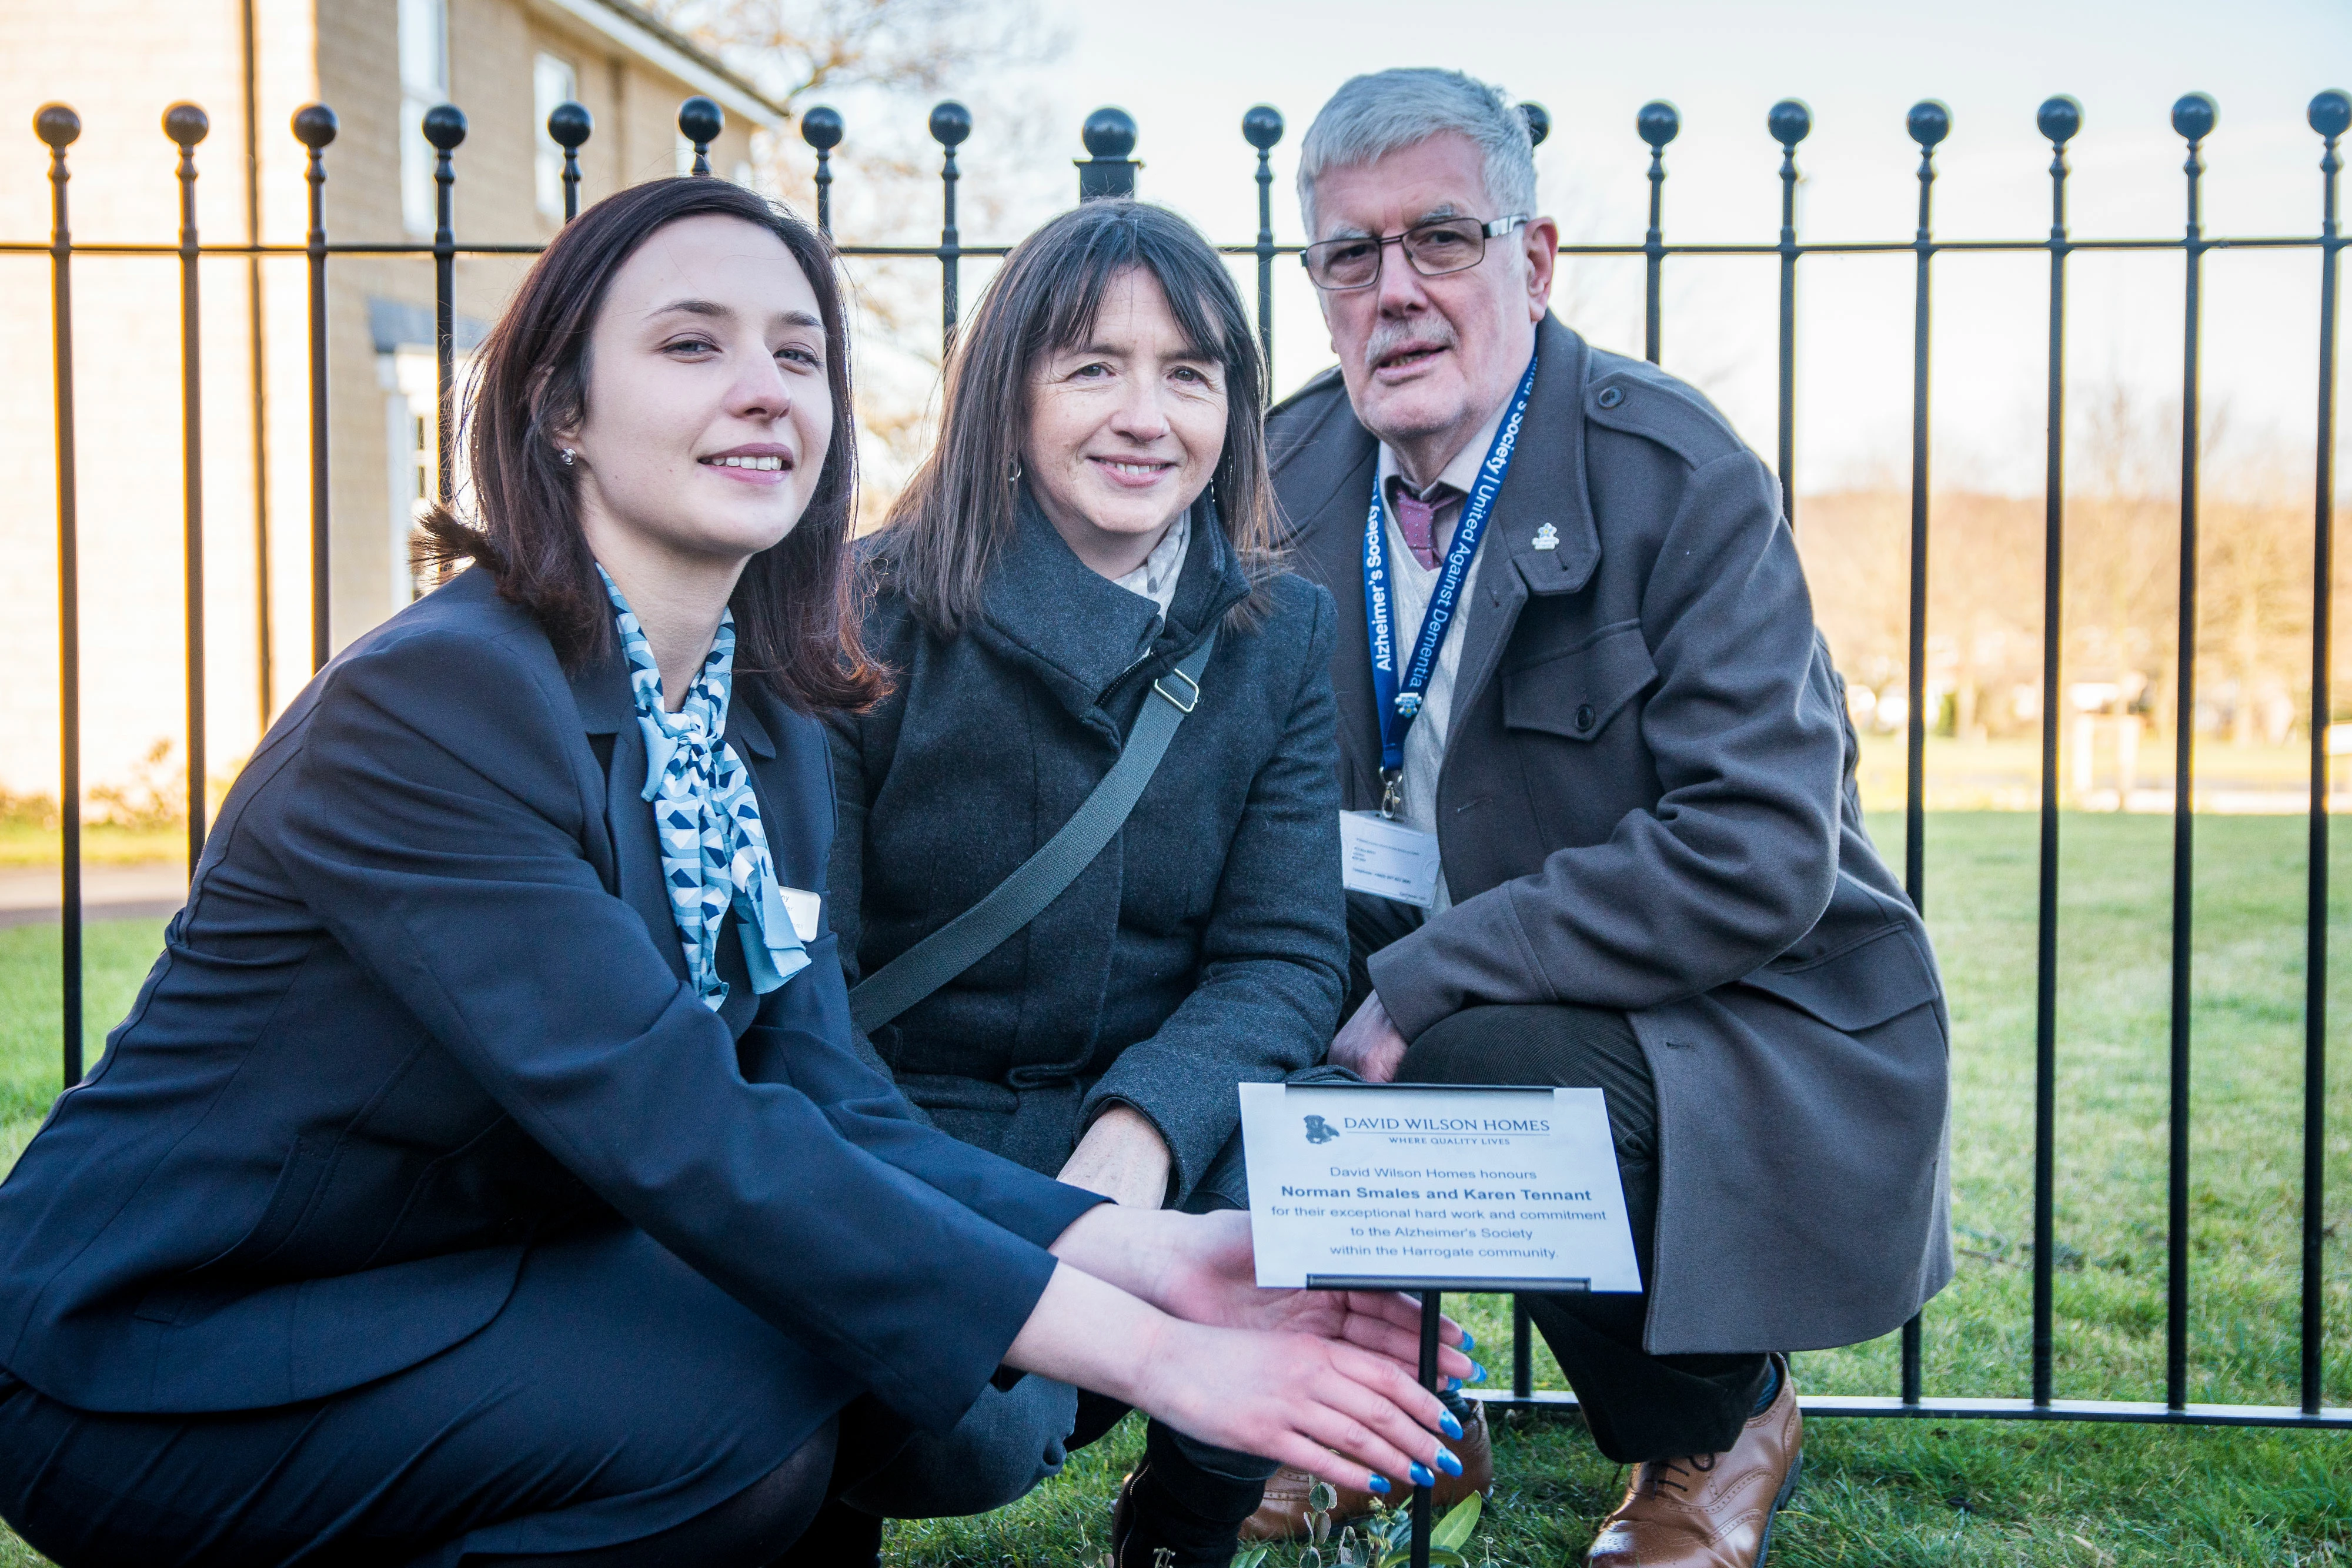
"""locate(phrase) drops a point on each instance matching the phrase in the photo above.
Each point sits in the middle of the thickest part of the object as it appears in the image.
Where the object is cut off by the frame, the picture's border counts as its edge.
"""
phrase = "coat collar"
(607, 707)
(1546, 488)
(1547, 472)
(1081, 631)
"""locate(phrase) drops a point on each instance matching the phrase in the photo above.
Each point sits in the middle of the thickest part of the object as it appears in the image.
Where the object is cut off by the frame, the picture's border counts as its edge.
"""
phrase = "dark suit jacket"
(1184, 960)
(1647, 804)
(426, 1005)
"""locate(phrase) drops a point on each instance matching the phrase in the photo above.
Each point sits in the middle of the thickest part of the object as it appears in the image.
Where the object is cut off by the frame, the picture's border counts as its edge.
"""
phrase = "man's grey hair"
(1373, 116)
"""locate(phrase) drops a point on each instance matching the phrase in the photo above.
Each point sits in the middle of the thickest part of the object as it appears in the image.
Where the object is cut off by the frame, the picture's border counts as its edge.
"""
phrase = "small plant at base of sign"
(1386, 1541)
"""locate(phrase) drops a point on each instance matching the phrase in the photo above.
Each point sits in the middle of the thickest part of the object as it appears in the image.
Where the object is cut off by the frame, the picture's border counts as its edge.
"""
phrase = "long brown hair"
(795, 621)
(959, 511)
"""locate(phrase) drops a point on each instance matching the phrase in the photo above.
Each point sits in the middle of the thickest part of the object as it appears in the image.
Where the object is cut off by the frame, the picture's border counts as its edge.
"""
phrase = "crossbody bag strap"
(1041, 879)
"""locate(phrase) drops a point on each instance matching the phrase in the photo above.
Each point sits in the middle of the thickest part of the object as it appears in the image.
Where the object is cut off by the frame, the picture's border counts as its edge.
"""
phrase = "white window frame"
(424, 58)
(411, 444)
(553, 80)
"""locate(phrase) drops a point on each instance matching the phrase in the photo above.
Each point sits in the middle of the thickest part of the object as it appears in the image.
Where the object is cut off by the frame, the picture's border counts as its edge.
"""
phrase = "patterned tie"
(1416, 519)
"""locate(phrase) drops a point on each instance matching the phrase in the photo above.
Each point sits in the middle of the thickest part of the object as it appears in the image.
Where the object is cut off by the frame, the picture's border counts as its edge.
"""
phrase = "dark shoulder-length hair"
(948, 525)
(795, 621)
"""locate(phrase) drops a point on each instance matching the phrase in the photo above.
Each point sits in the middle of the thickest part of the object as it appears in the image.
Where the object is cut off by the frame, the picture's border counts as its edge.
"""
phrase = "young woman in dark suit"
(484, 1171)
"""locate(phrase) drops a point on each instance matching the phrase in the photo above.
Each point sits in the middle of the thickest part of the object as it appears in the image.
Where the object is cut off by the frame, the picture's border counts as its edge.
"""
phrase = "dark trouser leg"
(1188, 1496)
(1639, 1406)
(619, 1402)
(747, 1531)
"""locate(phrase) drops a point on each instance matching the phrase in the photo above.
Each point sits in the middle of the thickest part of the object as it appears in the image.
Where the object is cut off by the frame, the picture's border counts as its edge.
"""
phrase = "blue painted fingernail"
(1477, 1373)
(1449, 1426)
(1469, 1340)
(1421, 1476)
(1448, 1463)
(1452, 1386)
(1380, 1485)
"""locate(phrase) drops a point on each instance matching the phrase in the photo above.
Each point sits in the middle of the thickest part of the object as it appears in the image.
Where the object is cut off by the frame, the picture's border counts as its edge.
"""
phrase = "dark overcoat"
(1202, 948)
(426, 1008)
(1647, 803)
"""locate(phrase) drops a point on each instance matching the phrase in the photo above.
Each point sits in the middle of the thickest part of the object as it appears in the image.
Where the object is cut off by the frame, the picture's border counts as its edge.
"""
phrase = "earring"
(1013, 475)
(567, 455)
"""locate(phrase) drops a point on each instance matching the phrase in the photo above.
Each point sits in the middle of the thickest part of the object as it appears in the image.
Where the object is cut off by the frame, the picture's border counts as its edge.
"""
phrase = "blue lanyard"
(1396, 702)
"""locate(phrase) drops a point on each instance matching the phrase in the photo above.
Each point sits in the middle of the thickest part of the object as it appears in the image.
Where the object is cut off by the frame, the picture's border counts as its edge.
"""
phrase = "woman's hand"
(1123, 1158)
(1212, 1277)
(1330, 1408)
(1201, 1268)
(1336, 1409)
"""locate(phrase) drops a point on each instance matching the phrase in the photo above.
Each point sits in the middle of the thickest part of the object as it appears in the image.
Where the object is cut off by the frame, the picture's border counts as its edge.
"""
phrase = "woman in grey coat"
(1097, 509)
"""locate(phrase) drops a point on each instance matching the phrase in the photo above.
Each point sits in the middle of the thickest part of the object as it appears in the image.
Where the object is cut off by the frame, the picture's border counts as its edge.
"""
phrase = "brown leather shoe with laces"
(1710, 1511)
(1283, 1515)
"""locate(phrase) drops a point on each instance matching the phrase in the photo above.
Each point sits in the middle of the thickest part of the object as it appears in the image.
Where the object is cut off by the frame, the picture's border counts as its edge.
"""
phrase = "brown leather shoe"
(1283, 1515)
(1710, 1511)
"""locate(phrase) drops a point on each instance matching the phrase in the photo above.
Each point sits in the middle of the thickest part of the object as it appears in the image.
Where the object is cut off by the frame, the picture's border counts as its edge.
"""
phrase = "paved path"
(151, 890)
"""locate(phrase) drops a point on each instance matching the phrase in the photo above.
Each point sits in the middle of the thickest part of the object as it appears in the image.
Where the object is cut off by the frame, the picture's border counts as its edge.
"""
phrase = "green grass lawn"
(1912, 1493)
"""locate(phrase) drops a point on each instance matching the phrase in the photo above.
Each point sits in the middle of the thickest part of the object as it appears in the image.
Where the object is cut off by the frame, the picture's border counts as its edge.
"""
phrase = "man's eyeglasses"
(1435, 248)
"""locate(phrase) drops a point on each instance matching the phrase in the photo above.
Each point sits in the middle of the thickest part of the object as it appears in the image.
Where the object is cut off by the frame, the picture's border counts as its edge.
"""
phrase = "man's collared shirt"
(1424, 743)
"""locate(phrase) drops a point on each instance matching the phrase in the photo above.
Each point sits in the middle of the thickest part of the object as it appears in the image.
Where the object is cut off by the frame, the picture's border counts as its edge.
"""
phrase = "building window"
(552, 82)
(423, 82)
(411, 439)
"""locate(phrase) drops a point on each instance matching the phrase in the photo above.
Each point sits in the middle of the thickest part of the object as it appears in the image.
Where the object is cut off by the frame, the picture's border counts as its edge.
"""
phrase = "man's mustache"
(1387, 340)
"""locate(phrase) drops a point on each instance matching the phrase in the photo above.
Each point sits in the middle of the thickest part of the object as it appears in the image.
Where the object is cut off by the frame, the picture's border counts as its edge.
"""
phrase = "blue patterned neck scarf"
(714, 848)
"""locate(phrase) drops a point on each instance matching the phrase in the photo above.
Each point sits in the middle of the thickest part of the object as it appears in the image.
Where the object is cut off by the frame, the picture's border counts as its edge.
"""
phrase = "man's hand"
(1123, 1158)
(1367, 1044)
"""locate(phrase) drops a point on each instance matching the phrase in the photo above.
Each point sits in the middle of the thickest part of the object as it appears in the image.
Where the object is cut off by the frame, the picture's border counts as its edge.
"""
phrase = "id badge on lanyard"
(1390, 859)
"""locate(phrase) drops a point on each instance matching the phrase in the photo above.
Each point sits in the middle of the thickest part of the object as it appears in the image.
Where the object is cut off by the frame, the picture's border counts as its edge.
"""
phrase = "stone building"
(249, 64)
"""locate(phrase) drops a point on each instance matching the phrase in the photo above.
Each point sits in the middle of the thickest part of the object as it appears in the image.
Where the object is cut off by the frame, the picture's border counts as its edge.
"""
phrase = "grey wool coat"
(1647, 804)
(1198, 950)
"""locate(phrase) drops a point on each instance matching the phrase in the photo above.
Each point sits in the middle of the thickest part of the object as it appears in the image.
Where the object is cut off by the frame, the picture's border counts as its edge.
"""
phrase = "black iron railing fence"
(1110, 137)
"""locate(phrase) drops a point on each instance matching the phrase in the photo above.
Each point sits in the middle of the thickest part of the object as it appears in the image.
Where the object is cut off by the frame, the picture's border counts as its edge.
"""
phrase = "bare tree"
(884, 63)
(793, 49)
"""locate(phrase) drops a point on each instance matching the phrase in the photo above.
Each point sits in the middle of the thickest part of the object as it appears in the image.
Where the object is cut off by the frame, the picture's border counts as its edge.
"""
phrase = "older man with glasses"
(1577, 675)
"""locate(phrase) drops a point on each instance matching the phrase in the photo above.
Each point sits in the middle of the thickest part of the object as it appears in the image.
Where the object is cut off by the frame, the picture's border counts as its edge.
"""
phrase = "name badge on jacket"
(1388, 859)
(804, 907)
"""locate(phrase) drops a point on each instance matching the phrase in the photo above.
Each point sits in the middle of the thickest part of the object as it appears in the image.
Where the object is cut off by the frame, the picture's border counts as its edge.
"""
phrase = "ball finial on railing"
(1261, 126)
(315, 125)
(2059, 119)
(951, 123)
(187, 124)
(1108, 132)
(445, 126)
(1789, 121)
(58, 125)
(1539, 123)
(1930, 122)
(2331, 113)
(701, 120)
(2195, 114)
(1658, 122)
(570, 124)
(821, 128)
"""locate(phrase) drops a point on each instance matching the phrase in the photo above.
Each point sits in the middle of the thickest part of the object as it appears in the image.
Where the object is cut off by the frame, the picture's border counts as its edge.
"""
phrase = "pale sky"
(1188, 71)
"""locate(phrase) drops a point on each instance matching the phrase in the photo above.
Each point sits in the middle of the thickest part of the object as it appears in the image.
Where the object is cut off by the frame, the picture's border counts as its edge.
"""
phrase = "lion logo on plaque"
(1319, 1131)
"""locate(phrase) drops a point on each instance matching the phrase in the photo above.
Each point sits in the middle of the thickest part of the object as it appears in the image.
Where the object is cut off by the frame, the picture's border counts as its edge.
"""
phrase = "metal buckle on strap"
(1183, 704)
